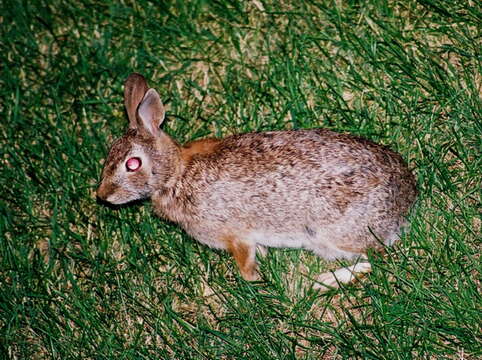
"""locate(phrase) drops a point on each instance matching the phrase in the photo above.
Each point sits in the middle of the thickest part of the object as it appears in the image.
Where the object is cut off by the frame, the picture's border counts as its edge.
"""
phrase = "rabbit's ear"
(135, 88)
(150, 113)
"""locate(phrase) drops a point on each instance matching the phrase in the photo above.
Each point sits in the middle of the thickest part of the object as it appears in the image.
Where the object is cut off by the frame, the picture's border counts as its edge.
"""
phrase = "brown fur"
(134, 89)
(106, 189)
(335, 194)
(197, 148)
(243, 255)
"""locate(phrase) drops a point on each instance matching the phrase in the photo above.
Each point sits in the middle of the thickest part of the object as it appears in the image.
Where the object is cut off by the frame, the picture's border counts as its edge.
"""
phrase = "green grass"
(79, 280)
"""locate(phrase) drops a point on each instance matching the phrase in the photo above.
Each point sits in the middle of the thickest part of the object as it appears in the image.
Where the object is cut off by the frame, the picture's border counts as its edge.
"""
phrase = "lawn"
(79, 280)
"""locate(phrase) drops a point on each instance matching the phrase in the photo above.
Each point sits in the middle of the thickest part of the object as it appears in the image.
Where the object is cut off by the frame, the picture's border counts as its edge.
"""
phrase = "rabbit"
(335, 194)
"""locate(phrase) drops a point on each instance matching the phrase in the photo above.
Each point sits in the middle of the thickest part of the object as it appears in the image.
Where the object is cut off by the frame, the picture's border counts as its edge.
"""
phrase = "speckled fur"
(335, 194)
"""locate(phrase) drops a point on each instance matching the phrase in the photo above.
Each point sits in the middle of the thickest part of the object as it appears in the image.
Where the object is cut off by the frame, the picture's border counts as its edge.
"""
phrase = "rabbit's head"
(145, 157)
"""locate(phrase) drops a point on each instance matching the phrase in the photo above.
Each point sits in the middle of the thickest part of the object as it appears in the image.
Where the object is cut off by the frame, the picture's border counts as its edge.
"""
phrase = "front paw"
(250, 274)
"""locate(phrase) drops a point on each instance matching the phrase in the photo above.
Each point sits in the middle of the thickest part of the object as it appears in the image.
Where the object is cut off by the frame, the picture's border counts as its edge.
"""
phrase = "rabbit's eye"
(133, 164)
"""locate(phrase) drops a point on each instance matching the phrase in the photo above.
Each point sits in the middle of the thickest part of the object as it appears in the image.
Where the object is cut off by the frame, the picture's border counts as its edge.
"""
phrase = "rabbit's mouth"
(113, 206)
(123, 197)
(117, 195)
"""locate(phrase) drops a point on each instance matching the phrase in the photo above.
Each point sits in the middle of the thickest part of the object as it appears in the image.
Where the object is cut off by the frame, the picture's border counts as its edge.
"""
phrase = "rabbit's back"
(303, 188)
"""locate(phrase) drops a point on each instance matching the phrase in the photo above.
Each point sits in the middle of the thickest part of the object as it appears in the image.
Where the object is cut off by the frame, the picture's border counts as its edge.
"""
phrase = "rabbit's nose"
(105, 190)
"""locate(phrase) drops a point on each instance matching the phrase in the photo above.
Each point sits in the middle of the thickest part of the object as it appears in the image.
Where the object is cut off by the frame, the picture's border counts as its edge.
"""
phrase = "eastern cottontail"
(335, 194)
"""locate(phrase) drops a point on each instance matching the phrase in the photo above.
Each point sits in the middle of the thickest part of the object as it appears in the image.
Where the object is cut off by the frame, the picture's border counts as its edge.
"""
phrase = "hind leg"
(346, 275)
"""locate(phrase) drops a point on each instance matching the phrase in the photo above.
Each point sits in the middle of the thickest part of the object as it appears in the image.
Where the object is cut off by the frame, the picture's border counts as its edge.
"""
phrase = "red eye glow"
(133, 164)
